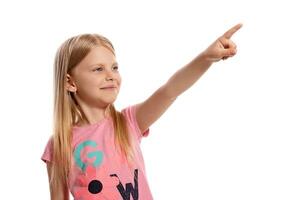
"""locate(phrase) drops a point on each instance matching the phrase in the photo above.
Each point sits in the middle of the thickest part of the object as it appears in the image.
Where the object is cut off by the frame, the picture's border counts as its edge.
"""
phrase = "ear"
(70, 84)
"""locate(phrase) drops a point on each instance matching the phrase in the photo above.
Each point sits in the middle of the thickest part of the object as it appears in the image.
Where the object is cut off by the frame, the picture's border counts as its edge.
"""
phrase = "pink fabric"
(98, 171)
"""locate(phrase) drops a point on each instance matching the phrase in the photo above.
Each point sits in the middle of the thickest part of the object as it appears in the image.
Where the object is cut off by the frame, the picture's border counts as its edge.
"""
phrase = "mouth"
(108, 88)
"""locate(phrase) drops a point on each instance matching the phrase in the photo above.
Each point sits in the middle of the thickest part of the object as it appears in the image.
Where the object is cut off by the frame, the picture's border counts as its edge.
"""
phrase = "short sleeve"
(130, 114)
(48, 151)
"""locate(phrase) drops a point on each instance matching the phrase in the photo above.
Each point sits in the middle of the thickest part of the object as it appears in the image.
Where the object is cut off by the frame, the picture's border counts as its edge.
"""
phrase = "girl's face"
(97, 70)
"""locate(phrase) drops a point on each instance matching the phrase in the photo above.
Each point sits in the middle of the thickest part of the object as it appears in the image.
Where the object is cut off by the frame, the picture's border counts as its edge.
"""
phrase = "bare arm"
(153, 107)
(185, 77)
(60, 194)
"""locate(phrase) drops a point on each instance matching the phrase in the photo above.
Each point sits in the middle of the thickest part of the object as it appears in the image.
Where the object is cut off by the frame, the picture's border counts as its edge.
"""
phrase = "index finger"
(231, 31)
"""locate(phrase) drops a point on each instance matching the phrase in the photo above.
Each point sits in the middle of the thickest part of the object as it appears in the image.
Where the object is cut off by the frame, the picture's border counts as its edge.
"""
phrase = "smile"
(109, 88)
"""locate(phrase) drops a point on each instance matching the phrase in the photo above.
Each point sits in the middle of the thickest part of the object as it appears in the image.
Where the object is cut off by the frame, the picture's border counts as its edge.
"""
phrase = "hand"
(223, 47)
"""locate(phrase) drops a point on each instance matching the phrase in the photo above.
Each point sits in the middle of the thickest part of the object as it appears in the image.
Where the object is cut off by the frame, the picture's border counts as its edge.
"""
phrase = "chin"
(111, 101)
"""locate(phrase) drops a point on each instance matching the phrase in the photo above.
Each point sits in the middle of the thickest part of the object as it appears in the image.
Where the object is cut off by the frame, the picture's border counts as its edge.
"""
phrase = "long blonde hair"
(67, 112)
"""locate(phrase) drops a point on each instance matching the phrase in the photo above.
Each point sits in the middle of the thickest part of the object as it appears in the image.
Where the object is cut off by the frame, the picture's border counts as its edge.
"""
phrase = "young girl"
(94, 151)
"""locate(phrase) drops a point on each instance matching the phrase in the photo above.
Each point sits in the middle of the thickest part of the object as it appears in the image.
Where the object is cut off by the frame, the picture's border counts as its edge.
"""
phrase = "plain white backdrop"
(234, 134)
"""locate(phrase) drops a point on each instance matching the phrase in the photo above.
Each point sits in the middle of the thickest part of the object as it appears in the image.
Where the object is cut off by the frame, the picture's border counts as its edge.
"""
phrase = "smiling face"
(97, 70)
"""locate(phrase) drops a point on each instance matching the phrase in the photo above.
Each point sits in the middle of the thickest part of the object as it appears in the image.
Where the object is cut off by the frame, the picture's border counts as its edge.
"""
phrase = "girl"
(94, 151)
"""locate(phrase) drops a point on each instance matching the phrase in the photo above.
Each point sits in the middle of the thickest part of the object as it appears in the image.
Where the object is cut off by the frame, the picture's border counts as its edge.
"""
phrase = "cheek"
(120, 80)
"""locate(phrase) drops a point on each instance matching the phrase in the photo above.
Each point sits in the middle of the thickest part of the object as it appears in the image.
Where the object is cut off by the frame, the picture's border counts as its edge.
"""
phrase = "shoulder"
(130, 114)
(48, 151)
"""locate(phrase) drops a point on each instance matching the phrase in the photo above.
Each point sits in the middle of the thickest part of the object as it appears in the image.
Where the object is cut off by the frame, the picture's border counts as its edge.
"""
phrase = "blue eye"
(98, 69)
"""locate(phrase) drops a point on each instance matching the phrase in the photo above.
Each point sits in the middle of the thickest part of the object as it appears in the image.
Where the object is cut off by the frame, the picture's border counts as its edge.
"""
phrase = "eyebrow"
(115, 63)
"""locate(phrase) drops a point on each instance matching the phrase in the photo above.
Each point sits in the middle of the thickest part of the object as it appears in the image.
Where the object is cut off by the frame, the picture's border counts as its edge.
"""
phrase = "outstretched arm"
(185, 77)
(152, 108)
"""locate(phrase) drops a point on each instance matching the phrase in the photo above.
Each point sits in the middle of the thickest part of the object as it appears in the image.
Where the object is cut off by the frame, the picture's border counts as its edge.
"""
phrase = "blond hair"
(67, 112)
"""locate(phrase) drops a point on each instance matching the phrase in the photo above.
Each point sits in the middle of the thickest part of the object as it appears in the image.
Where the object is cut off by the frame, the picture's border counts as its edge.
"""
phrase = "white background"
(233, 135)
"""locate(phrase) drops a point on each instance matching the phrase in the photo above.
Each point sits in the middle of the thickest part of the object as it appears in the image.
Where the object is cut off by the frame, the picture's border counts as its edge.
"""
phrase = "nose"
(109, 76)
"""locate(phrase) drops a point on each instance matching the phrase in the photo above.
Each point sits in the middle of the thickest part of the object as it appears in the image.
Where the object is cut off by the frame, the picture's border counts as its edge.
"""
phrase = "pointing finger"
(231, 31)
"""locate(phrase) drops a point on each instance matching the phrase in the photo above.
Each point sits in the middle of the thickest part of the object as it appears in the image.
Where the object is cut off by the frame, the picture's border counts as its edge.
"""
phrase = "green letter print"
(97, 154)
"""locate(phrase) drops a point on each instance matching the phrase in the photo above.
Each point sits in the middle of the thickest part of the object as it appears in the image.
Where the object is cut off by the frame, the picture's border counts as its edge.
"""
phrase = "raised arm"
(152, 108)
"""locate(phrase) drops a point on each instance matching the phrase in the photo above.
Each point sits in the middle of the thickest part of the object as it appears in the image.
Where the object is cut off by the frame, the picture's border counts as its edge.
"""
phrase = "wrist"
(204, 59)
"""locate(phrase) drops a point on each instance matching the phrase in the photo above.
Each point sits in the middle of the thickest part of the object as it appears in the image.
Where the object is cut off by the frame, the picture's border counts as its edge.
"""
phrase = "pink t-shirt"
(98, 171)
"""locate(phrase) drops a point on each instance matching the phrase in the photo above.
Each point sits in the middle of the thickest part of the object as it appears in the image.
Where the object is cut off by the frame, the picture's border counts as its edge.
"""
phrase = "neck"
(94, 114)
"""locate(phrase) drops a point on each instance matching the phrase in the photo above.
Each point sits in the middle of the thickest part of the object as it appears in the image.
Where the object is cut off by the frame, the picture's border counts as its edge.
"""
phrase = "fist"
(223, 47)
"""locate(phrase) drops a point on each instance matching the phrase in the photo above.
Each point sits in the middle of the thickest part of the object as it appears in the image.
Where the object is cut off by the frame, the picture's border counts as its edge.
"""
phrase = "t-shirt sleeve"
(48, 151)
(130, 114)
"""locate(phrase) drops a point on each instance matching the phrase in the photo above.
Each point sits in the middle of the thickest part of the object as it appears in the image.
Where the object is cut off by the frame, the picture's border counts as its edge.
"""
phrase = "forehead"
(98, 55)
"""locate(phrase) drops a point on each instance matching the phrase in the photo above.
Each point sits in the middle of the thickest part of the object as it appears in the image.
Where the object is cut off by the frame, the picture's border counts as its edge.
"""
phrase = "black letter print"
(134, 191)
